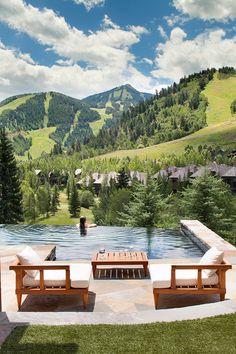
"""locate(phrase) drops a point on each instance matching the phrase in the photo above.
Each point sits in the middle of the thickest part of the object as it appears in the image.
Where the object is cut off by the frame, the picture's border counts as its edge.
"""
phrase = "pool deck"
(128, 300)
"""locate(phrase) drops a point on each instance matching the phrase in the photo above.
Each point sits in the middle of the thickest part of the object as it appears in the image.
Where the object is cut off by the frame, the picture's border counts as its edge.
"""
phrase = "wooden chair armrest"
(223, 267)
(201, 266)
(40, 267)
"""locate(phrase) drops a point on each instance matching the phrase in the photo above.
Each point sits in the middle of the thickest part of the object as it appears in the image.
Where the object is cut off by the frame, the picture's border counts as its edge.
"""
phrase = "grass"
(211, 335)
(40, 141)
(98, 124)
(62, 217)
(221, 127)
(46, 106)
(16, 103)
(220, 94)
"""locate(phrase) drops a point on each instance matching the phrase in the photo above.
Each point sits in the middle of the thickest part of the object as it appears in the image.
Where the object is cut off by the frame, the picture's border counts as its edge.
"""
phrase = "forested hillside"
(174, 112)
(51, 118)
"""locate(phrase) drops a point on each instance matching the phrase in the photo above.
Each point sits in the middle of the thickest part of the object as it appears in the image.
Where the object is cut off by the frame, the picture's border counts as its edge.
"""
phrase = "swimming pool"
(70, 244)
(158, 243)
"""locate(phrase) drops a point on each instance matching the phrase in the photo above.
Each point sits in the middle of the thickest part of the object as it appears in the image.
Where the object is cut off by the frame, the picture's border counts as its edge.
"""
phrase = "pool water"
(70, 244)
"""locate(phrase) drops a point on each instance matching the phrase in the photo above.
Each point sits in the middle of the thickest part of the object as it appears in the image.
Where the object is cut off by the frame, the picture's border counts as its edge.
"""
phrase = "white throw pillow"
(29, 257)
(212, 256)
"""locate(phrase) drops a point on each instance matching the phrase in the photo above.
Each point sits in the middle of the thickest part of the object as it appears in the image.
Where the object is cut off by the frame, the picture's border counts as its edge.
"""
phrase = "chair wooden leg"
(19, 299)
(222, 297)
(156, 297)
(85, 298)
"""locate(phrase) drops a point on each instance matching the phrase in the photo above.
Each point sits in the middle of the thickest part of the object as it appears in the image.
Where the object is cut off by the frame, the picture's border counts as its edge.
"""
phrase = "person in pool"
(83, 224)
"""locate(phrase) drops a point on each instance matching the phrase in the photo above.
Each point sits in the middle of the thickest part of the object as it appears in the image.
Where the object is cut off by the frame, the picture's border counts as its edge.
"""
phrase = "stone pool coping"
(205, 238)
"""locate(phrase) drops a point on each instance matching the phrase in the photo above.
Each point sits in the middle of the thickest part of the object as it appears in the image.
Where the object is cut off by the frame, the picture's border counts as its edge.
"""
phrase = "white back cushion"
(212, 256)
(29, 257)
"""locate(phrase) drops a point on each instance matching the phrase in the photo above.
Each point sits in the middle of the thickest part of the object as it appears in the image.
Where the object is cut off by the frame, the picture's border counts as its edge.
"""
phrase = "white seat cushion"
(161, 277)
(29, 257)
(79, 276)
(212, 256)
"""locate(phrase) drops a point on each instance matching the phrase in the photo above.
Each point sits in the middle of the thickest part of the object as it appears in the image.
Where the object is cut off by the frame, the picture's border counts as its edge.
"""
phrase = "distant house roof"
(231, 172)
(78, 171)
(38, 172)
(161, 174)
(181, 173)
(201, 171)
(140, 176)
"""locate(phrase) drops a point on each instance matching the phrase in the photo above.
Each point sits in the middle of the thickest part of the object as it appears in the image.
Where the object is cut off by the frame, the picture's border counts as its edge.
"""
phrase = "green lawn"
(16, 103)
(221, 127)
(211, 335)
(62, 217)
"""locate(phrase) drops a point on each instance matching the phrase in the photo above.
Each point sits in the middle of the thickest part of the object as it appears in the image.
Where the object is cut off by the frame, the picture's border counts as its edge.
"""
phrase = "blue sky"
(81, 47)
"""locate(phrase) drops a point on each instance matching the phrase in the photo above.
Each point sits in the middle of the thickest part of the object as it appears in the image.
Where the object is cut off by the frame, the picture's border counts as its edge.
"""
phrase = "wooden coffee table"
(120, 258)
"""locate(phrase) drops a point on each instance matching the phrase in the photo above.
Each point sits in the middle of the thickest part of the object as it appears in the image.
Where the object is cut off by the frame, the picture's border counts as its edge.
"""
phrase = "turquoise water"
(158, 243)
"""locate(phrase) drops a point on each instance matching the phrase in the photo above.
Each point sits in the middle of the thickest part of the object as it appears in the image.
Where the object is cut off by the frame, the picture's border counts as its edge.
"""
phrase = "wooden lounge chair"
(207, 277)
(48, 278)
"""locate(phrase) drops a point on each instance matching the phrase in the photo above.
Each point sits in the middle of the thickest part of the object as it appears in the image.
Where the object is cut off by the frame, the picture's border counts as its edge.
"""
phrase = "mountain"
(111, 104)
(38, 121)
(220, 124)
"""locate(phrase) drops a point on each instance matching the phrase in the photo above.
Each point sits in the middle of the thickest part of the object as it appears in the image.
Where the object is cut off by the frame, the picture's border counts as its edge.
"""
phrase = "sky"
(82, 47)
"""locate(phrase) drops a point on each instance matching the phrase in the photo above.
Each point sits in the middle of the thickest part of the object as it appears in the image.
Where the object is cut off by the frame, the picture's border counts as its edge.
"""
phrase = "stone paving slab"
(150, 316)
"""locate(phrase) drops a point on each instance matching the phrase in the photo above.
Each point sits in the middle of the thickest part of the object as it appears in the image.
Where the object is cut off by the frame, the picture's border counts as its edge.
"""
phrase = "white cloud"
(108, 46)
(89, 4)
(162, 32)
(106, 54)
(173, 19)
(107, 22)
(62, 62)
(25, 76)
(147, 61)
(179, 56)
(219, 10)
(138, 30)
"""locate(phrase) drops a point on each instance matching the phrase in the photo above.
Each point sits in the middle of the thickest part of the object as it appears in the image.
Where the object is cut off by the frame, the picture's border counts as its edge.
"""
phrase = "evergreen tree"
(145, 205)
(11, 210)
(55, 200)
(122, 179)
(74, 202)
(29, 204)
(209, 200)
(43, 200)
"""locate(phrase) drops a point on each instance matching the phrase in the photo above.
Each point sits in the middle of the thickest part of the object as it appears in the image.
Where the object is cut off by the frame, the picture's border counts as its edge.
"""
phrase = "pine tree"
(145, 205)
(55, 200)
(122, 179)
(29, 203)
(11, 210)
(74, 202)
(209, 200)
(43, 200)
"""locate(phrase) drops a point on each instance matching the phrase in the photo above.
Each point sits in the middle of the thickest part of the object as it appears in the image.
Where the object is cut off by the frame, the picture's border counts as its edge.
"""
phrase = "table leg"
(94, 266)
(145, 269)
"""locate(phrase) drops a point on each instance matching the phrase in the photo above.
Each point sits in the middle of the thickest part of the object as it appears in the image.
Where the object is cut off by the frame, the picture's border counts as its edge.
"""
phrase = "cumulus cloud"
(89, 4)
(108, 46)
(162, 32)
(219, 10)
(26, 76)
(180, 56)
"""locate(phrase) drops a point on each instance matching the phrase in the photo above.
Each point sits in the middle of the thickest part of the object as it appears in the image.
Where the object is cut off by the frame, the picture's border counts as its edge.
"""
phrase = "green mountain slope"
(111, 104)
(38, 121)
(220, 129)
